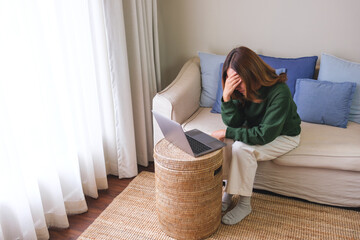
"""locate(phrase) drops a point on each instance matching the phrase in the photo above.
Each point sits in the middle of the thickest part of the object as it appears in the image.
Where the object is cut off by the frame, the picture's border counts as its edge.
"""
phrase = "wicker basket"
(188, 191)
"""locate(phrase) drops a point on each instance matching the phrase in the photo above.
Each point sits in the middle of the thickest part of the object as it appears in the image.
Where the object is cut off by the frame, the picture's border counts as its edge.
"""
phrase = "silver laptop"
(193, 142)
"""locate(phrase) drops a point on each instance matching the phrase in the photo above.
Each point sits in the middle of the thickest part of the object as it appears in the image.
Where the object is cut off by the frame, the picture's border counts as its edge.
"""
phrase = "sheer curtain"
(75, 105)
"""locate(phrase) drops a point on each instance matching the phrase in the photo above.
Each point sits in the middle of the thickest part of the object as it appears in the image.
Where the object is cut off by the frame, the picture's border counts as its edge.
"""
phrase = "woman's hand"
(219, 134)
(231, 84)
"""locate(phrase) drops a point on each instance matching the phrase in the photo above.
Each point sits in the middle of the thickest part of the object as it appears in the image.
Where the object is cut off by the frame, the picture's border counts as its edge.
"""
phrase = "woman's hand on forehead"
(231, 83)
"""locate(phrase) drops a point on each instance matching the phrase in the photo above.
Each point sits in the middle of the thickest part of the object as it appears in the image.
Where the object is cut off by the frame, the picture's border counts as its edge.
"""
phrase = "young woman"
(262, 124)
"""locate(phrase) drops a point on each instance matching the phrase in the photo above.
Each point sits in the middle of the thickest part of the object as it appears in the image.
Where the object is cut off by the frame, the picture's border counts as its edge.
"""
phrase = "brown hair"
(252, 70)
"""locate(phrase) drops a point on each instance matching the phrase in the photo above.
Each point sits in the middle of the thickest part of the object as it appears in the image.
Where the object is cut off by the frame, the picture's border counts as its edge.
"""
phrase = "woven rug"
(132, 215)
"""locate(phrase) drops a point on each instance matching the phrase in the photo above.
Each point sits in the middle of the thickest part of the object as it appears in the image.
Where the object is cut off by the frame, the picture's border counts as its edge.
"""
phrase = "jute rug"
(132, 215)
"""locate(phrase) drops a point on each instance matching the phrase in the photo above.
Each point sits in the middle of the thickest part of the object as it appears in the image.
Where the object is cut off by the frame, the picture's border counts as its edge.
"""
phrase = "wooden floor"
(78, 223)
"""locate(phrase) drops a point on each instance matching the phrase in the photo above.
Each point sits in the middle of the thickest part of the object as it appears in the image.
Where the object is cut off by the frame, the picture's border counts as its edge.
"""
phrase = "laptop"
(193, 142)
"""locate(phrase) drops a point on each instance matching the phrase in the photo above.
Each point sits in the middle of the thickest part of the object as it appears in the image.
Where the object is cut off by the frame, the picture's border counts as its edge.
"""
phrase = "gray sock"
(226, 201)
(239, 212)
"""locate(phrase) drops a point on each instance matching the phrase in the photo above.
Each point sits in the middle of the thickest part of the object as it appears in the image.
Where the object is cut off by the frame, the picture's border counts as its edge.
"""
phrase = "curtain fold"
(120, 84)
(76, 85)
(143, 56)
(106, 100)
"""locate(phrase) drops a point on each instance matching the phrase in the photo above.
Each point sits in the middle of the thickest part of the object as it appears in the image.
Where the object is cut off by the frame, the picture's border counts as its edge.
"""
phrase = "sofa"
(324, 168)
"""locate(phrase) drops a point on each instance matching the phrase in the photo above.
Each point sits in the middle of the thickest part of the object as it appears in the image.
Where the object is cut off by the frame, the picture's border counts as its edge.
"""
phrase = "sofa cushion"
(210, 65)
(303, 67)
(205, 121)
(324, 146)
(321, 146)
(339, 70)
(324, 102)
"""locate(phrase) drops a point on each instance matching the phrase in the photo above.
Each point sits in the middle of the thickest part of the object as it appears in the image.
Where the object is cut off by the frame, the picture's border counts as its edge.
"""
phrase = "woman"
(262, 124)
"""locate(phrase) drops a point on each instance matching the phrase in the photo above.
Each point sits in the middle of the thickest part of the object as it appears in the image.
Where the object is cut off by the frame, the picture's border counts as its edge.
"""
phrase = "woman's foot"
(226, 201)
(239, 212)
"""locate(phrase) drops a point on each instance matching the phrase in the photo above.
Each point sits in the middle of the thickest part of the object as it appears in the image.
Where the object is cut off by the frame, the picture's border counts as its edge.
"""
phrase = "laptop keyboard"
(196, 146)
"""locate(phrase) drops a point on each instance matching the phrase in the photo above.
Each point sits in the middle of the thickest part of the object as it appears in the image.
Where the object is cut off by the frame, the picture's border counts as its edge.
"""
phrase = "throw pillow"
(324, 102)
(279, 71)
(303, 67)
(217, 105)
(209, 64)
(335, 69)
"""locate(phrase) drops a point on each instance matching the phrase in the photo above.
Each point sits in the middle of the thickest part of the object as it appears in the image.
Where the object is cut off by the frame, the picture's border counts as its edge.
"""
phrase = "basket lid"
(170, 156)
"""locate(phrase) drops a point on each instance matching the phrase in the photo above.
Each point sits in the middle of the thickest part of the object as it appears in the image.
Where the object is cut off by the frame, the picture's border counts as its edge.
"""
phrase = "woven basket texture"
(188, 192)
(132, 216)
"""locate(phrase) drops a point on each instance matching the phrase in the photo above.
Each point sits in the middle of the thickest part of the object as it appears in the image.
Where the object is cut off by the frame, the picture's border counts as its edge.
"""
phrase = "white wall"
(281, 28)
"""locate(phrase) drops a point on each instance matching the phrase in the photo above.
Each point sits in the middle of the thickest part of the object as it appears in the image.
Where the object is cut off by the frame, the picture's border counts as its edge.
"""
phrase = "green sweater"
(261, 123)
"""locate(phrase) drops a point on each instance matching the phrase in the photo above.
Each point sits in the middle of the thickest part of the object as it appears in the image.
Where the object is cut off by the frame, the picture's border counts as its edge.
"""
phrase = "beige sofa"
(325, 168)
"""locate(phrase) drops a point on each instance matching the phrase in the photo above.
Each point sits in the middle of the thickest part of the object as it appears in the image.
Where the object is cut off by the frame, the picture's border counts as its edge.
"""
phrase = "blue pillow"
(279, 71)
(324, 102)
(217, 105)
(339, 70)
(303, 67)
(210, 64)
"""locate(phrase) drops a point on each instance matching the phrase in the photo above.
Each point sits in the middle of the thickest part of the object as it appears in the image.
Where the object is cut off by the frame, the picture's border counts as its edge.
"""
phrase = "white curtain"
(74, 104)
(132, 29)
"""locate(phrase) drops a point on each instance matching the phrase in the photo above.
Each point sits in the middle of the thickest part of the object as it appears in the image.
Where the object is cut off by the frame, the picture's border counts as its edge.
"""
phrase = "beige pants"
(240, 161)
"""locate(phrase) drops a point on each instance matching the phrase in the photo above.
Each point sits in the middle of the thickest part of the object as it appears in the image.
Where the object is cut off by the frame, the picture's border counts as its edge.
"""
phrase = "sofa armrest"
(181, 98)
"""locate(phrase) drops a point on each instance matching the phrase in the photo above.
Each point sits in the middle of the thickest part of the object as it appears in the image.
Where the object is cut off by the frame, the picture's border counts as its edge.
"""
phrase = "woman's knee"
(240, 147)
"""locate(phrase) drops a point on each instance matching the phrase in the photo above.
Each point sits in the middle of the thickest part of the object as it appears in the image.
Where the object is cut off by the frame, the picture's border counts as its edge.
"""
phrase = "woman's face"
(241, 87)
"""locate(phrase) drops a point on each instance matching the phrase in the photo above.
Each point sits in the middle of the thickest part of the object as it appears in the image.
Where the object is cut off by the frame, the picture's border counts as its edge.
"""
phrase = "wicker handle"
(217, 170)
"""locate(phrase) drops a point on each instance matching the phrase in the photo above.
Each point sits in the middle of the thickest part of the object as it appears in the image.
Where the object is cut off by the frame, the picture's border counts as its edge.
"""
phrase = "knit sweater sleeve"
(232, 114)
(270, 126)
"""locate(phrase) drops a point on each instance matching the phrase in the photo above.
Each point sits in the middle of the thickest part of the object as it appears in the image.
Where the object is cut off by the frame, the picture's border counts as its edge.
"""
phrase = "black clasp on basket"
(217, 170)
